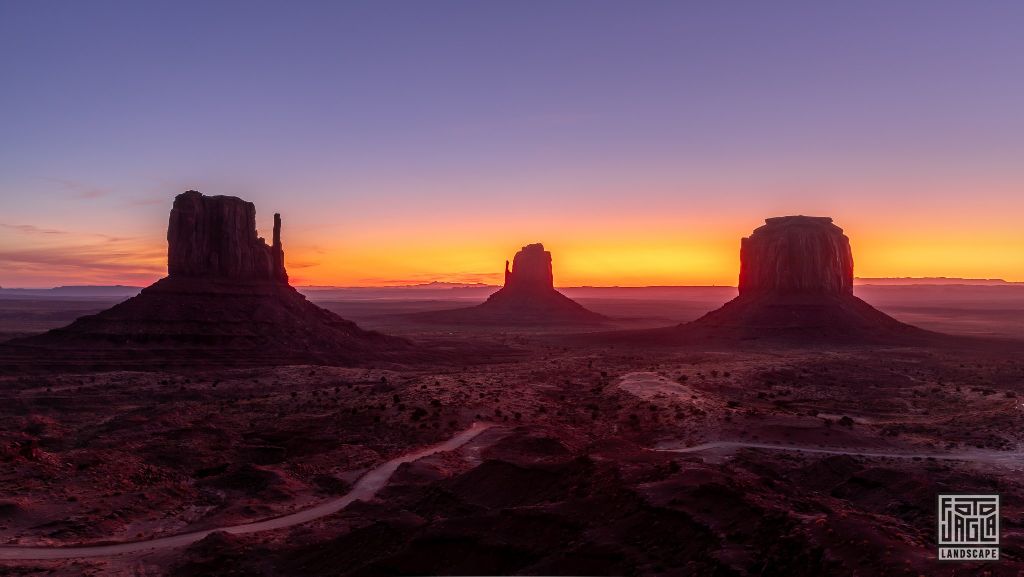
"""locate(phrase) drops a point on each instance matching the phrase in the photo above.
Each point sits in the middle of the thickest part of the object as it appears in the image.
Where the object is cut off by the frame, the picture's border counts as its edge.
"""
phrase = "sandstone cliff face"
(531, 270)
(226, 300)
(215, 237)
(796, 286)
(796, 255)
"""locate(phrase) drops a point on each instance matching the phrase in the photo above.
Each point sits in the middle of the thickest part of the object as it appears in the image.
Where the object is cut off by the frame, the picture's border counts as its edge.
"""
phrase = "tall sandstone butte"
(531, 270)
(226, 300)
(527, 298)
(796, 254)
(796, 286)
(215, 236)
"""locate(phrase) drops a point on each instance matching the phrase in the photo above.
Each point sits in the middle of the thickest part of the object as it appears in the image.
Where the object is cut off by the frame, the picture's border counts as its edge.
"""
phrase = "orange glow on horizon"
(665, 252)
(647, 262)
(619, 265)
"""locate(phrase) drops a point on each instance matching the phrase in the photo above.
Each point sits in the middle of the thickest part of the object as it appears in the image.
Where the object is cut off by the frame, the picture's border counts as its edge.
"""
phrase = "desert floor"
(597, 459)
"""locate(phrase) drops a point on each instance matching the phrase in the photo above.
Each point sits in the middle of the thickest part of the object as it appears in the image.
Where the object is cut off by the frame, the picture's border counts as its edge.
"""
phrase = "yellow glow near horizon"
(706, 253)
(680, 263)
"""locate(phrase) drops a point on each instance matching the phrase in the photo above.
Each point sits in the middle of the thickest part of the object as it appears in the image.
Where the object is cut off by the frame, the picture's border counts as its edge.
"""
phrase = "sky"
(408, 142)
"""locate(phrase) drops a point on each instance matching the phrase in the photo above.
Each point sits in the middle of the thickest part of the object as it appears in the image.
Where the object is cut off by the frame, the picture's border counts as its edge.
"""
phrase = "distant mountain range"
(420, 286)
(73, 291)
(938, 280)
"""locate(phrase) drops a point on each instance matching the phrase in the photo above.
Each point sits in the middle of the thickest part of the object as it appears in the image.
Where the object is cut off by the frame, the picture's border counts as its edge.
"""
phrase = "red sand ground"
(566, 483)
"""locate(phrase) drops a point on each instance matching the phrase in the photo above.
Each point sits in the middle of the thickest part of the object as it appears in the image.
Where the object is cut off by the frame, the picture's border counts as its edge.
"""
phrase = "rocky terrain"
(528, 297)
(570, 481)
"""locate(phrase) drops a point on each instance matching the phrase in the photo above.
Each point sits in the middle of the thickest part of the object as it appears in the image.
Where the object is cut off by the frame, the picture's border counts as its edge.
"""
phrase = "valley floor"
(566, 481)
(597, 460)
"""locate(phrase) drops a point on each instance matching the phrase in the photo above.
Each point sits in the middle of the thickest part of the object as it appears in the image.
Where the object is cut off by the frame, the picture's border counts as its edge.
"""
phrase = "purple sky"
(470, 128)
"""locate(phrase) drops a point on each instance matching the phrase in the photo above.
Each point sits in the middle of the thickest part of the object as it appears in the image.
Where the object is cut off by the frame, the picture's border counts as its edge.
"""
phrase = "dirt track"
(367, 486)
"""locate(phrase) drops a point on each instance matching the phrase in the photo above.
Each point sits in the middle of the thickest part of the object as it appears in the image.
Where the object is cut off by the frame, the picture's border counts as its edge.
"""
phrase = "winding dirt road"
(365, 488)
(1007, 457)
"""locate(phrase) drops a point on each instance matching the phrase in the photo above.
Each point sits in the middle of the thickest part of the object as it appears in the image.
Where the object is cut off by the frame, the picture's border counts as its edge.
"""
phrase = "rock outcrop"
(527, 298)
(226, 300)
(531, 270)
(795, 286)
(215, 237)
(796, 255)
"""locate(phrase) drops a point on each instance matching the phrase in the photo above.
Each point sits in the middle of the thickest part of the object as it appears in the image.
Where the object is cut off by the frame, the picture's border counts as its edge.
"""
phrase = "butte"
(528, 297)
(795, 286)
(225, 300)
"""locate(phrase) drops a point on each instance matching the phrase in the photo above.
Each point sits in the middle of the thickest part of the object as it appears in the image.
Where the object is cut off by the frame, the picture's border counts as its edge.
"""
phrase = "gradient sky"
(419, 141)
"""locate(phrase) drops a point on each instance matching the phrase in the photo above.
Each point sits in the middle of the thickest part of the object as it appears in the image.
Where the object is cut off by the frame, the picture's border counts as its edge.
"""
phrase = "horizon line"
(451, 285)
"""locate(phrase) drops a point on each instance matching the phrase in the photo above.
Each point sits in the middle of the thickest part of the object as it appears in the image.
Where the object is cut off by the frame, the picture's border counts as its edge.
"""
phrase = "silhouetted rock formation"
(796, 254)
(215, 236)
(226, 300)
(528, 298)
(795, 285)
(531, 270)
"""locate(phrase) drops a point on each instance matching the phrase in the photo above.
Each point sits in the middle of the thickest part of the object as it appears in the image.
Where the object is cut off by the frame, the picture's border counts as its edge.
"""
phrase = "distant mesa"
(528, 297)
(75, 291)
(226, 299)
(795, 285)
(935, 281)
